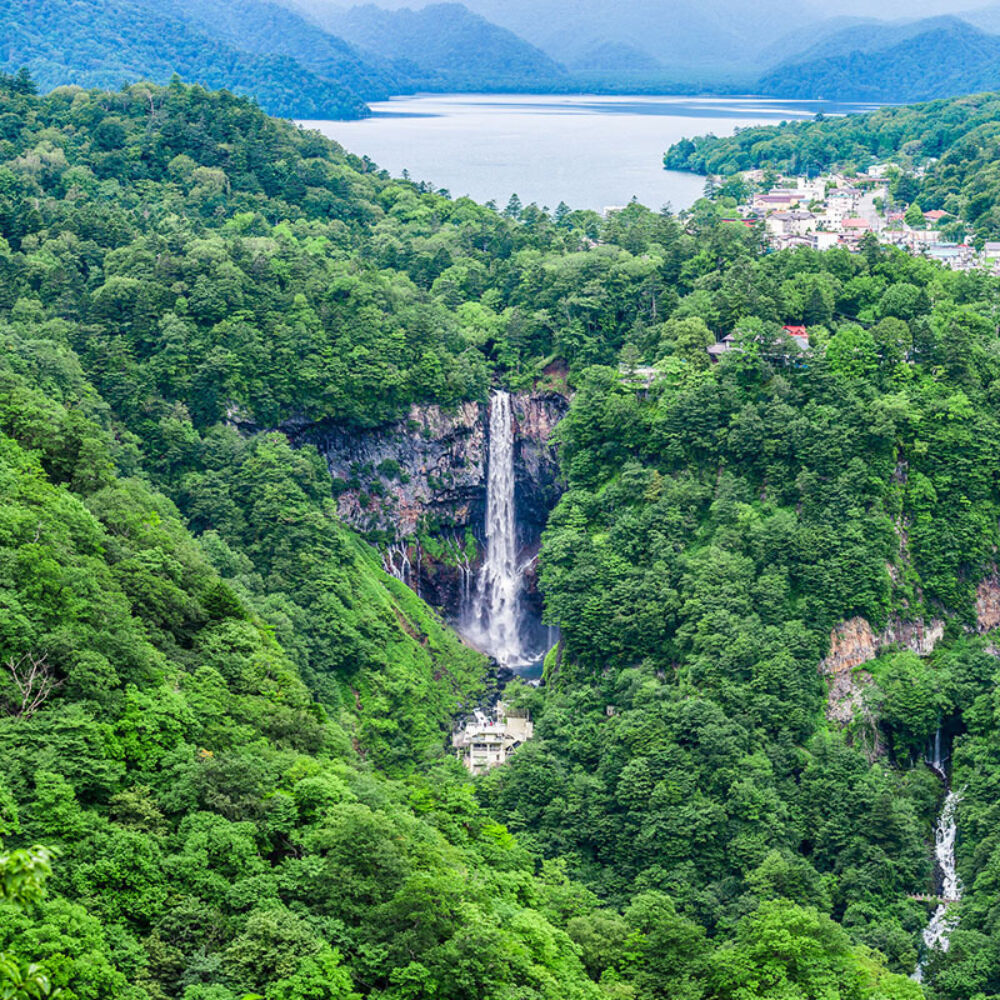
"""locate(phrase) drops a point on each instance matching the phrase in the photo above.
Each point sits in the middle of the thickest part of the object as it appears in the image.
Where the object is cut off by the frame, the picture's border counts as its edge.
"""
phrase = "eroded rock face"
(988, 603)
(852, 644)
(396, 477)
(536, 464)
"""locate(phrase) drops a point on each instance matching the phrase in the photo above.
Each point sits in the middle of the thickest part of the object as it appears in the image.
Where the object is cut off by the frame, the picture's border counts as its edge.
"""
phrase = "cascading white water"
(943, 922)
(944, 918)
(495, 614)
(396, 562)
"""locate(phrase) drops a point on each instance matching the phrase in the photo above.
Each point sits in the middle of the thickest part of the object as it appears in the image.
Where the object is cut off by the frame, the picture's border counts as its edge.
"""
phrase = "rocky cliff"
(853, 644)
(988, 603)
(418, 486)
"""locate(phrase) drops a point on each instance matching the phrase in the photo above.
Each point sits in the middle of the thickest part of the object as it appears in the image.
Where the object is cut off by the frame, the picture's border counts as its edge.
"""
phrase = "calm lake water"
(591, 152)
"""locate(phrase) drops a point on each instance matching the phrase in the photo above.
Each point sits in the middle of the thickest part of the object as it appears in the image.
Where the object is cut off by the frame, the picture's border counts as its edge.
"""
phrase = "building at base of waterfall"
(486, 742)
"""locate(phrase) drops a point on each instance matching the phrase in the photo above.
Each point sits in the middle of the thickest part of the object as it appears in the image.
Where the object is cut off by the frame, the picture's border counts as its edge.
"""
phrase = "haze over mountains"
(317, 59)
(912, 61)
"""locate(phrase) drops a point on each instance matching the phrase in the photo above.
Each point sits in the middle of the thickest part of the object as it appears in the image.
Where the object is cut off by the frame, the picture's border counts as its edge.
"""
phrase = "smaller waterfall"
(944, 919)
(934, 759)
(495, 623)
(396, 562)
(466, 575)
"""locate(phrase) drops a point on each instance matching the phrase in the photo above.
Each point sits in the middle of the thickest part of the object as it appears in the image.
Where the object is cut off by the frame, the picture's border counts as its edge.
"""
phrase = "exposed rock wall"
(852, 644)
(394, 478)
(426, 476)
(988, 603)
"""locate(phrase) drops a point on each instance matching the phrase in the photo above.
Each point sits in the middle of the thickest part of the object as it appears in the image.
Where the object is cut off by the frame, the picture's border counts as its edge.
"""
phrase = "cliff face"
(852, 644)
(988, 603)
(400, 477)
(423, 480)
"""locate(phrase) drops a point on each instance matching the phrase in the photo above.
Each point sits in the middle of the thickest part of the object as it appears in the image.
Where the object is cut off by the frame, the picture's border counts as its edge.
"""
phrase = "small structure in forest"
(487, 741)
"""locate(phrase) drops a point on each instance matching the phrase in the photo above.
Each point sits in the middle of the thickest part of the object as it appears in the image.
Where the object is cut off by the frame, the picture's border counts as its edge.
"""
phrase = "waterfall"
(396, 562)
(934, 759)
(466, 576)
(944, 920)
(496, 605)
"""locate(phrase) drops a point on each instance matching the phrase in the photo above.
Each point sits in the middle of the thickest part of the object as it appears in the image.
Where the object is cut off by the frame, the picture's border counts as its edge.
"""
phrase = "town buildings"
(838, 211)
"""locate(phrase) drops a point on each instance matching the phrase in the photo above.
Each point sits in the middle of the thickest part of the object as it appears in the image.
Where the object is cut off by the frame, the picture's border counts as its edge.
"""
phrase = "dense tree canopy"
(229, 725)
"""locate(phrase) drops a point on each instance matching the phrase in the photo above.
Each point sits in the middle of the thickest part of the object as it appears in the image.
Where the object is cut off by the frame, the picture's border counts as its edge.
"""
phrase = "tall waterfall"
(944, 920)
(495, 615)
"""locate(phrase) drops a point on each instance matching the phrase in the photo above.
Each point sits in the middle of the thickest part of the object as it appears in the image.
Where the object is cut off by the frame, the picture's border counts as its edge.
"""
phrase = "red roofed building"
(799, 335)
(936, 215)
(856, 224)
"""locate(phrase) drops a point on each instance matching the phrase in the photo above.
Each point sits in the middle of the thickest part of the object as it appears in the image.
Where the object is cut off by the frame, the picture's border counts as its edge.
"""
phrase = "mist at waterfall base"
(494, 617)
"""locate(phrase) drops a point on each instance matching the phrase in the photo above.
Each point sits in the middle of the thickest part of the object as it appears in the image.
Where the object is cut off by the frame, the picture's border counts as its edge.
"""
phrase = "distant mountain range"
(442, 46)
(313, 59)
(105, 43)
(677, 39)
(894, 63)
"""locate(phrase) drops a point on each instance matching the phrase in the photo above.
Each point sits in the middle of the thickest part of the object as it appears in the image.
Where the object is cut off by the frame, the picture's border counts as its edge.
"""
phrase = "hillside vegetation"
(917, 64)
(107, 43)
(230, 725)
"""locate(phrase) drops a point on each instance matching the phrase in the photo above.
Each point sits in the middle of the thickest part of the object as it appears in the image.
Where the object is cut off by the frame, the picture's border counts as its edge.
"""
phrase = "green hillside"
(955, 141)
(106, 43)
(231, 726)
(916, 67)
(268, 29)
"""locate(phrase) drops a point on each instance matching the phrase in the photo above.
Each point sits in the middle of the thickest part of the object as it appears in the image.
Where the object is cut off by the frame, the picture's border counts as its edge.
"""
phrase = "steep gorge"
(418, 489)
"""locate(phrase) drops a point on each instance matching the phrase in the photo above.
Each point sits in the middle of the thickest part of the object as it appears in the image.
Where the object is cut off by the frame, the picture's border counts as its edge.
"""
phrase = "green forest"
(290, 65)
(111, 42)
(224, 729)
(913, 63)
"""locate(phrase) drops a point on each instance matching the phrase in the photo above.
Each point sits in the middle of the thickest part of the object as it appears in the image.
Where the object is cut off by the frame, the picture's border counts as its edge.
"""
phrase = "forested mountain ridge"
(269, 29)
(443, 45)
(955, 141)
(239, 748)
(915, 64)
(110, 42)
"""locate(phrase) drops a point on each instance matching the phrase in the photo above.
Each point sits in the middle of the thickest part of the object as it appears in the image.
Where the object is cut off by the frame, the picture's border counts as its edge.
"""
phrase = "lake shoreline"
(591, 151)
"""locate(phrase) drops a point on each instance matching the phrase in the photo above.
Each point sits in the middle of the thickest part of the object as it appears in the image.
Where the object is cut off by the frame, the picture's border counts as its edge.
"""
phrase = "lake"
(591, 152)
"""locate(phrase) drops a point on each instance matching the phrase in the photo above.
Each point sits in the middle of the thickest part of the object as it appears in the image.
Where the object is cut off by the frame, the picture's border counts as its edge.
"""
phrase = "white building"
(487, 742)
(794, 223)
(842, 203)
(920, 239)
(824, 240)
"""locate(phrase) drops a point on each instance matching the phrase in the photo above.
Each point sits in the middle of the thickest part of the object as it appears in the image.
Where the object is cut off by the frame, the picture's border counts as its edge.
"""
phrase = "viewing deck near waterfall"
(926, 897)
(487, 742)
